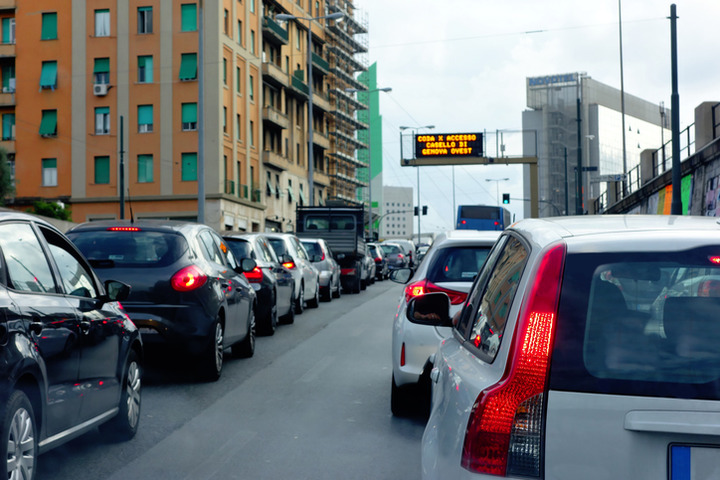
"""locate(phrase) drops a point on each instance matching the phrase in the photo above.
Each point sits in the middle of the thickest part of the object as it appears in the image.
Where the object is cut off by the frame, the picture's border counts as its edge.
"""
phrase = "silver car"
(324, 260)
(292, 254)
(585, 349)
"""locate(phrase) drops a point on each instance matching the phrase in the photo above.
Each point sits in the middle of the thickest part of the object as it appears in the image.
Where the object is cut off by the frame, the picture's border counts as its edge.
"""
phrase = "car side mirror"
(340, 256)
(247, 265)
(401, 275)
(317, 258)
(431, 309)
(116, 291)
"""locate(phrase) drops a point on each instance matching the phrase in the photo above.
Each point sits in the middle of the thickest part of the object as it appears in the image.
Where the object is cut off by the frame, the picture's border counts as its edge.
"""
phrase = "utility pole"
(676, 205)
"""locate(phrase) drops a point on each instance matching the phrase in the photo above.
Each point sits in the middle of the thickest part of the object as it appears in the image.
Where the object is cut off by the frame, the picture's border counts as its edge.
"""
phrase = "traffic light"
(506, 198)
(424, 209)
(416, 211)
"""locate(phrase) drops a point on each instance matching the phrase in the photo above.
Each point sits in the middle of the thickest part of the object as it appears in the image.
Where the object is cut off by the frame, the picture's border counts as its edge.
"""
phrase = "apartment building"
(111, 97)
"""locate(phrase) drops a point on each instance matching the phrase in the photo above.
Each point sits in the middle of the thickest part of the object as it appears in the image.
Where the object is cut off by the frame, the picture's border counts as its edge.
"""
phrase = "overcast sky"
(461, 65)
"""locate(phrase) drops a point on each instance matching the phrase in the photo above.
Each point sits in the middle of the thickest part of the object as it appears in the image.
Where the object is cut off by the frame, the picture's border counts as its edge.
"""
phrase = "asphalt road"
(313, 403)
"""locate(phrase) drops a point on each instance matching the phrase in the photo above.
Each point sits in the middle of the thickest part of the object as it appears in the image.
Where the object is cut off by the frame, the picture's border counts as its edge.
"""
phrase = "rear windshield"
(312, 248)
(240, 248)
(391, 249)
(457, 264)
(129, 249)
(640, 324)
(326, 222)
(278, 246)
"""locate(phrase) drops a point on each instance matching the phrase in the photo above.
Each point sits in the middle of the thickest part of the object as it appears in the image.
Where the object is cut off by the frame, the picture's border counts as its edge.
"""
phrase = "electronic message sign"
(449, 145)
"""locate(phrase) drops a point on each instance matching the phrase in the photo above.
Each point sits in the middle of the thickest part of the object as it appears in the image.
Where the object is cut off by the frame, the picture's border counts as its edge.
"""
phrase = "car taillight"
(289, 265)
(422, 287)
(402, 355)
(188, 279)
(504, 433)
(400, 256)
(378, 259)
(255, 275)
(123, 229)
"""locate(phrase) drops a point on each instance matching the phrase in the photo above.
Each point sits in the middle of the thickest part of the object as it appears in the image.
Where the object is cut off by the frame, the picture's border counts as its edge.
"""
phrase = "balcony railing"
(274, 31)
(229, 187)
(320, 63)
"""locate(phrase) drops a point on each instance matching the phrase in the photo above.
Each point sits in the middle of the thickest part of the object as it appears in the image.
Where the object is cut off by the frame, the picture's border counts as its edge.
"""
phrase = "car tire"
(211, 361)
(124, 425)
(300, 301)
(328, 294)
(399, 400)
(246, 347)
(337, 292)
(315, 301)
(289, 318)
(358, 284)
(271, 320)
(19, 435)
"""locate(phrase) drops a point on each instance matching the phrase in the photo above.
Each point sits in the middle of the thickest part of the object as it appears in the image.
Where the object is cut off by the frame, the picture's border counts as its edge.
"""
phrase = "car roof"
(490, 235)
(6, 216)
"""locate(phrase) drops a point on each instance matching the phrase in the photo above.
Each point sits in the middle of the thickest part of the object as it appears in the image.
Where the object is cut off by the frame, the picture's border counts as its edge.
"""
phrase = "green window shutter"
(270, 187)
(48, 77)
(291, 194)
(102, 170)
(145, 114)
(145, 168)
(302, 197)
(6, 30)
(49, 163)
(188, 66)
(188, 14)
(145, 63)
(102, 111)
(102, 65)
(189, 112)
(189, 167)
(7, 74)
(48, 124)
(49, 26)
(8, 121)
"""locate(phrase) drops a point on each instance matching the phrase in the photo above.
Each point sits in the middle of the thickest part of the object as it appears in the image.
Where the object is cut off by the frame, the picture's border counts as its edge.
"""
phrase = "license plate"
(147, 331)
(694, 462)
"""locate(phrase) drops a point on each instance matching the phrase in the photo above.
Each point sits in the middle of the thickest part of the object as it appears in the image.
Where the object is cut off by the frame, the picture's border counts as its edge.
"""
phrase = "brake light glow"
(402, 355)
(504, 433)
(715, 259)
(188, 279)
(254, 276)
(424, 286)
(378, 259)
(463, 222)
(289, 265)
(124, 229)
(400, 255)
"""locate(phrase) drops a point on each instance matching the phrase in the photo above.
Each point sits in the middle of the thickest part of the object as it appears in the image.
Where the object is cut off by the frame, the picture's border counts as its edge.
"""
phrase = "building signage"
(449, 145)
(552, 80)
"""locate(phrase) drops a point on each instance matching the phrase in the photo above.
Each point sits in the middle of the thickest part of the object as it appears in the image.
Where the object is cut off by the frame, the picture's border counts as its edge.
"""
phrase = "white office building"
(397, 213)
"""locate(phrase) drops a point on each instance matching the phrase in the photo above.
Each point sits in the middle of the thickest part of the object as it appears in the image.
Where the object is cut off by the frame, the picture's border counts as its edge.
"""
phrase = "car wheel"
(300, 301)
(271, 320)
(125, 424)
(358, 284)
(328, 294)
(315, 301)
(19, 433)
(363, 284)
(337, 292)
(246, 347)
(289, 317)
(211, 362)
(399, 400)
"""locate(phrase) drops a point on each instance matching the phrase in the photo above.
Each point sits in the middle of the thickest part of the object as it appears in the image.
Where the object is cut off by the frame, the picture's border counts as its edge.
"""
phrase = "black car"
(272, 282)
(70, 358)
(187, 288)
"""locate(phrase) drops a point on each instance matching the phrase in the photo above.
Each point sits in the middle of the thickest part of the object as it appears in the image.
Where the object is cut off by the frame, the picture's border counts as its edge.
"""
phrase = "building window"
(225, 71)
(188, 17)
(252, 133)
(102, 121)
(48, 124)
(238, 80)
(101, 71)
(145, 69)
(189, 117)
(8, 78)
(145, 19)
(252, 41)
(189, 167)
(239, 127)
(252, 6)
(49, 27)
(188, 66)
(225, 114)
(8, 31)
(48, 76)
(49, 172)
(145, 169)
(145, 118)
(102, 23)
(102, 170)
(239, 33)
(226, 22)
(8, 126)
(252, 88)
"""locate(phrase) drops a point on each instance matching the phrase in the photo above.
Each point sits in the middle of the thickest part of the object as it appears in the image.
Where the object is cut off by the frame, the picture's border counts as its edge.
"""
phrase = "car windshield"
(129, 249)
(643, 324)
(457, 264)
(240, 248)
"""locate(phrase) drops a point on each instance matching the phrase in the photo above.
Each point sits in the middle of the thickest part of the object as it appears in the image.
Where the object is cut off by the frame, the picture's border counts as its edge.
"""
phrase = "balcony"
(229, 187)
(274, 75)
(7, 49)
(321, 140)
(8, 4)
(273, 32)
(320, 63)
(299, 87)
(321, 101)
(7, 99)
(274, 159)
(275, 117)
(8, 145)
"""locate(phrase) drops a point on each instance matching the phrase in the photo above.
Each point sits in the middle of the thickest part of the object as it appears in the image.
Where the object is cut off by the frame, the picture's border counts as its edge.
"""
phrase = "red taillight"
(463, 222)
(123, 229)
(422, 287)
(714, 259)
(187, 279)
(400, 255)
(289, 265)
(504, 433)
(347, 271)
(255, 275)
(402, 355)
(378, 259)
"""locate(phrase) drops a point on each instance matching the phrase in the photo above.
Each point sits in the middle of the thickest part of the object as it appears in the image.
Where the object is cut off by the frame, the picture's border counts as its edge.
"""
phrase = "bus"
(482, 217)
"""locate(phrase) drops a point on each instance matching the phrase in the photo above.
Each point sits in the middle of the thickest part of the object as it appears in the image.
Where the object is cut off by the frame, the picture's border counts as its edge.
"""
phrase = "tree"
(51, 210)
(6, 181)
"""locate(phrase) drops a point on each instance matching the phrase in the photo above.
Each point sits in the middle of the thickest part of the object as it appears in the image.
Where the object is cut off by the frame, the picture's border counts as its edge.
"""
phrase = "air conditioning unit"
(100, 89)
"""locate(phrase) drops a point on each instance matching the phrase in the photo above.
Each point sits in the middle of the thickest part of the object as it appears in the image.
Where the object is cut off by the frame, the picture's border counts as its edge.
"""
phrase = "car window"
(209, 249)
(133, 249)
(640, 324)
(278, 245)
(493, 309)
(312, 248)
(75, 277)
(266, 252)
(457, 264)
(241, 248)
(28, 268)
(299, 248)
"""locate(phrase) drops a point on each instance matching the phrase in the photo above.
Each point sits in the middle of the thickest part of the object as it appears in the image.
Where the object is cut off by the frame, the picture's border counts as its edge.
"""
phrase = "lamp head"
(335, 16)
(284, 16)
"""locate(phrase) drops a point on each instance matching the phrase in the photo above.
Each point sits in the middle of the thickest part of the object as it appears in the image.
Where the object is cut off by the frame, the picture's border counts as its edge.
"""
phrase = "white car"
(294, 257)
(561, 367)
(449, 266)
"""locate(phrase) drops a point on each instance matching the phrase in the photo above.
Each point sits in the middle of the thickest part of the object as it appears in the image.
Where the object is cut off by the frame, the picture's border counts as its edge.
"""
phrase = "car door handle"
(36, 327)
(435, 374)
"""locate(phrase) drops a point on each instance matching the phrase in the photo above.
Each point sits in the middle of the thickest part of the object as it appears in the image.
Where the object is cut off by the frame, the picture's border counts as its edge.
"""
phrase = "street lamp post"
(355, 90)
(429, 127)
(311, 153)
(497, 186)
